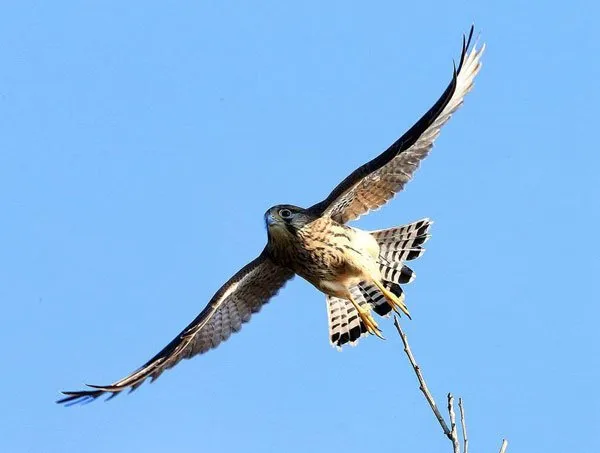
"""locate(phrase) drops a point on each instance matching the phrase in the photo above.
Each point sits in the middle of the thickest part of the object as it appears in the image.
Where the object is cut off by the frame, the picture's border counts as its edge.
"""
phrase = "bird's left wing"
(244, 294)
(376, 182)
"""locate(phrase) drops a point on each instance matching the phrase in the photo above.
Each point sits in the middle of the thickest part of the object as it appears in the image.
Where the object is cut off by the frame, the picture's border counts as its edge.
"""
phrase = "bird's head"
(285, 220)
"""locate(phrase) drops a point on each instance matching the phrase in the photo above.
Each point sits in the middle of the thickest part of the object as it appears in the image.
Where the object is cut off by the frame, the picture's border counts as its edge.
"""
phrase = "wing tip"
(467, 40)
(73, 398)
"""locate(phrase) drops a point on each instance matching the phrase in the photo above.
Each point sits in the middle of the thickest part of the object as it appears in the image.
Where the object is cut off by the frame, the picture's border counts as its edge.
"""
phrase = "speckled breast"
(322, 250)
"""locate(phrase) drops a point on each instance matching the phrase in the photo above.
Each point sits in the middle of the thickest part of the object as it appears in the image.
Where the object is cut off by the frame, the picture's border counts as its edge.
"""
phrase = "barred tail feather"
(396, 245)
(414, 229)
(396, 272)
(345, 326)
(400, 244)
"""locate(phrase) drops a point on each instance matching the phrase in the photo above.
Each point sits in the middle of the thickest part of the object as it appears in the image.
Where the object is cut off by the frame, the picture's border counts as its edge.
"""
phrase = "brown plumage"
(320, 250)
(359, 271)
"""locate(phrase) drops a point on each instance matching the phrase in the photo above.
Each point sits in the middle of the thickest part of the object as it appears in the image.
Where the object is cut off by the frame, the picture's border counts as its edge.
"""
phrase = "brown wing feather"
(244, 294)
(376, 182)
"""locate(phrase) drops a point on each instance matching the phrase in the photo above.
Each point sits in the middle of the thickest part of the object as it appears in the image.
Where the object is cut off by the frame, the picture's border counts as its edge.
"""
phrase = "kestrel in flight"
(359, 271)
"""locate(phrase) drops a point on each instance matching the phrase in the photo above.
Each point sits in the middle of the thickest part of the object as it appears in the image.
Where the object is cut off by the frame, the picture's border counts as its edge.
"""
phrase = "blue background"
(141, 143)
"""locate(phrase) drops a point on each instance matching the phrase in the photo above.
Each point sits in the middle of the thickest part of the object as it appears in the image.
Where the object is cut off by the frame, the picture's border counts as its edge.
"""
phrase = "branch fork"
(450, 432)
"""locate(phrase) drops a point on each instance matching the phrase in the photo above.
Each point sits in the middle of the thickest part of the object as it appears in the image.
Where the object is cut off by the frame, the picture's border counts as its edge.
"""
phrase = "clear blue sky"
(140, 145)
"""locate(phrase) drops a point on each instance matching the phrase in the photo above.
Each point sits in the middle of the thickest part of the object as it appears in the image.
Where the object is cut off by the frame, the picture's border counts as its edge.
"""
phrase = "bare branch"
(453, 433)
(464, 426)
(422, 384)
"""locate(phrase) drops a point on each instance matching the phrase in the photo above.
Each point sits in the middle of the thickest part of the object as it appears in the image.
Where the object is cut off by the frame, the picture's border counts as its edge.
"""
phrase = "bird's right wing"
(244, 294)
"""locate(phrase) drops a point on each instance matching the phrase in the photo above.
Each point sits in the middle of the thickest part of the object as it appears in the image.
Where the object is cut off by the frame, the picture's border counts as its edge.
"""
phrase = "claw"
(394, 301)
(367, 318)
(402, 306)
(370, 322)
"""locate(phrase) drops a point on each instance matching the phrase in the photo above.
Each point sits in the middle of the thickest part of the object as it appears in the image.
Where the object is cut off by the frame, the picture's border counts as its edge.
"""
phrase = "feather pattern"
(345, 325)
(376, 182)
(233, 305)
(396, 245)
(401, 244)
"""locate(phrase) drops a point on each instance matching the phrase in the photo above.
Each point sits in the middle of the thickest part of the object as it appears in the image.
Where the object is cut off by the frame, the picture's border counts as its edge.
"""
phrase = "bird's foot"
(396, 302)
(369, 322)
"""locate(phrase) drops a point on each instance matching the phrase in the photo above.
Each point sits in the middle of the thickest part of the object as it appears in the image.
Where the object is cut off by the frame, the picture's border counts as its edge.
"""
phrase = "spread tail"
(396, 246)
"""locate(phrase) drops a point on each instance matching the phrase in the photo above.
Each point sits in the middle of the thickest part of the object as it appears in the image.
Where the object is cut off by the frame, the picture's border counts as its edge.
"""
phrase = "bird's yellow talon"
(370, 323)
(395, 301)
(365, 316)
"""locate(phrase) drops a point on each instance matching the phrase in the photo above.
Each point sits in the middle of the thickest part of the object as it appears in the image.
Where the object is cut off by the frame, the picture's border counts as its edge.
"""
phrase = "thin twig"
(453, 433)
(463, 424)
(422, 384)
(450, 433)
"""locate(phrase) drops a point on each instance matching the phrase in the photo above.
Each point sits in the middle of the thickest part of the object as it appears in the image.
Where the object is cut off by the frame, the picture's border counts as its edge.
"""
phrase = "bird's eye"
(285, 213)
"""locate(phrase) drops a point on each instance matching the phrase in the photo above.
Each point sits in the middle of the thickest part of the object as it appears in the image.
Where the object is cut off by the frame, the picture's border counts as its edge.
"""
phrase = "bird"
(360, 272)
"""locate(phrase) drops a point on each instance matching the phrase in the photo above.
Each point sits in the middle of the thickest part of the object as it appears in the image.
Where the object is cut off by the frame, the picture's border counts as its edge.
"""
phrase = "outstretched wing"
(244, 294)
(376, 182)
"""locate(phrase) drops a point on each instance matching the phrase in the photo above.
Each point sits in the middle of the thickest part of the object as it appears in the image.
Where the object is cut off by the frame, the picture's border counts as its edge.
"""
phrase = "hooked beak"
(269, 219)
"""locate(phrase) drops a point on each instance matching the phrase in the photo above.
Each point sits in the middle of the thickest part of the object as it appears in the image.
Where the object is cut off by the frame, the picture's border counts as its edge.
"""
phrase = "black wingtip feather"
(87, 396)
(111, 396)
(80, 397)
(466, 46)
